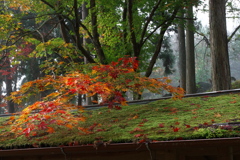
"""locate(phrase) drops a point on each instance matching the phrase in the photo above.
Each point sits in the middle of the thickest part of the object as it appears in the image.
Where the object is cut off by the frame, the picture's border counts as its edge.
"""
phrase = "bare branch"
(234, 32)
(148, 21)
(204, 38)
(160, 25)
(78, 42)
(48, 4)
(165, 26)
(22, 33)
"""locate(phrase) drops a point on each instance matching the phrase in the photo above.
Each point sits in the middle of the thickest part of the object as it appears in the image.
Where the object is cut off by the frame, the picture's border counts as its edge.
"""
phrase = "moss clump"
(236, 84)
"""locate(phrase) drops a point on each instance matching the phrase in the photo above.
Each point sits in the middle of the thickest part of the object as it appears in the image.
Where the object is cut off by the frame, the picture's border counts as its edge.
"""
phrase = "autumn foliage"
(109, 82)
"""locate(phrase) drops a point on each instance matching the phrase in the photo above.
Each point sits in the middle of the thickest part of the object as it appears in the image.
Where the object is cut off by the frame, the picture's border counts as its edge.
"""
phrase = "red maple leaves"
(110, 82)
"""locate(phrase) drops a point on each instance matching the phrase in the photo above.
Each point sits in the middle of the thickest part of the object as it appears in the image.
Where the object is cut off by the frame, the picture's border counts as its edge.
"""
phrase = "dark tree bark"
(190, 55)
(156, 53)
(95, 39)
(125, 33)
(164, 27)
(1, 98)
(85, 10)
(9, 89)
(221, 77)
(182, 54)
(135, 44)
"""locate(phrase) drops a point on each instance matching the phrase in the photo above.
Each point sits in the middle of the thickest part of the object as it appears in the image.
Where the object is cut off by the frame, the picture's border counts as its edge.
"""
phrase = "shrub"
(108, 81)
(236, 84)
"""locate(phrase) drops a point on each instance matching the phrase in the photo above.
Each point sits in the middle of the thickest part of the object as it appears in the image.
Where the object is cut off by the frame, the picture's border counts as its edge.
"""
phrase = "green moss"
(236, 84)
(189, 118)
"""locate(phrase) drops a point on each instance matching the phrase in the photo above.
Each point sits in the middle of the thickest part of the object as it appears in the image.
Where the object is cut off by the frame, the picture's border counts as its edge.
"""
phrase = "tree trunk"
(95, 34)
(156, 53)
(164, 28)
(85, 42)
(182, 54)
(135, 45)
(1, 98)
(8, 80)
(219, 47)
(190, 57)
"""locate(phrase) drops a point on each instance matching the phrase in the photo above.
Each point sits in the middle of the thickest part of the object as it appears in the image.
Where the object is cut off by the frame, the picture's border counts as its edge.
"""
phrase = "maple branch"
(62, 29)
(163, 23)
(61, 21)
(47, 3)
(151, 33)
(81, 24)
(124, 19)
(204, 38)
(34, 17)
(234, 32)
(148, 21)
(85, 28)
(76, 28)
(136, 48)
(186, 18)
(78, 42)
(25, 33)
(156, 53)
(95, 34)
(159, 45)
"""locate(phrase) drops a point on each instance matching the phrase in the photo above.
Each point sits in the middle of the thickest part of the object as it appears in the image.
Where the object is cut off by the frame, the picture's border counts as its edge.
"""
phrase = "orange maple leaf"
(69, 126)
(50, 130)
(217, 115)
(12, 118)
(233, 102)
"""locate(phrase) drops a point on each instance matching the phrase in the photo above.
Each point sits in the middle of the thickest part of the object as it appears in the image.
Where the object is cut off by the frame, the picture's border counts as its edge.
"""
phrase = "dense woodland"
(41, 38)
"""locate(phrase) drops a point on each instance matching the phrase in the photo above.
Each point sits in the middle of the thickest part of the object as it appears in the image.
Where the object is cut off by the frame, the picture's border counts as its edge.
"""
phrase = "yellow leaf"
(217, 115)
(65, 45)
(135, 117)
(54, 94)
(124, 103)
(94, 71)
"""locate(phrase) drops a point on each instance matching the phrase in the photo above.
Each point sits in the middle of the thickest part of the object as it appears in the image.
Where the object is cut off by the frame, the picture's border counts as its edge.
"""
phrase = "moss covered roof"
(162, 120)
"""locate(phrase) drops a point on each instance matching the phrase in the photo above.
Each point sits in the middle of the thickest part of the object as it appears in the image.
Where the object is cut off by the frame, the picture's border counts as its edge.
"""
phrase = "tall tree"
(182, 52)
(9, 88)
(190, 55)
(221, 78)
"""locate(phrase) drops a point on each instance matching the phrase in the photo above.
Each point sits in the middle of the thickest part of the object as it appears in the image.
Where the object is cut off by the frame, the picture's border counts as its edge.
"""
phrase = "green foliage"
(114, 36)
(167, 57)
(236, 84)
(210, 133)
